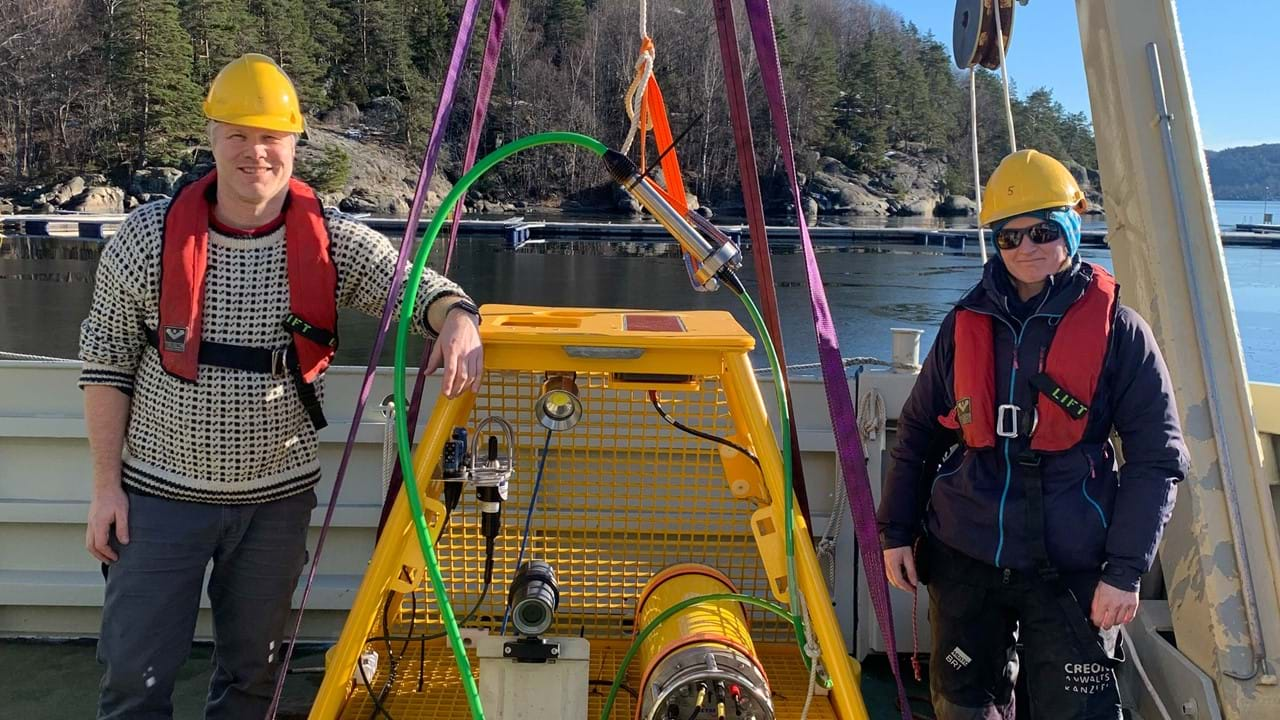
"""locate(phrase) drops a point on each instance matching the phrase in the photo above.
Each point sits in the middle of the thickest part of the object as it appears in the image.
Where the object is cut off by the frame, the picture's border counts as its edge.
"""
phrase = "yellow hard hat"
(252, 90)
(1027, 181)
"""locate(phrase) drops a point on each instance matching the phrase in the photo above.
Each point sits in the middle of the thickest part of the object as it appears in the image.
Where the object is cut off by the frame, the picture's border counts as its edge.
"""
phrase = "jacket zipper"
(1013, 377)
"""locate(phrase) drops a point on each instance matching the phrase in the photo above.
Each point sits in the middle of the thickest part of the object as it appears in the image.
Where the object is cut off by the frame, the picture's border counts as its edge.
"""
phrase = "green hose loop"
(406, 461)
(402, 428)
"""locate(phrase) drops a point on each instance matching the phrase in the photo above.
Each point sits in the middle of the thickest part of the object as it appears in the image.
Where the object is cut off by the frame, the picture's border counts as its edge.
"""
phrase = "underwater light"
(710, 259)
(558, 406)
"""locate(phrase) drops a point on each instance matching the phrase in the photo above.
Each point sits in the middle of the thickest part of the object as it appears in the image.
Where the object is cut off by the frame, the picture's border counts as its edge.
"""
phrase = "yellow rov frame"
(623, 495)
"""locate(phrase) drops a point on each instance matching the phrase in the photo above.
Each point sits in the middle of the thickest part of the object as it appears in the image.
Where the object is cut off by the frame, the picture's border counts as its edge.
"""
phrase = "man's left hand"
(458, 350)
(1113, 607)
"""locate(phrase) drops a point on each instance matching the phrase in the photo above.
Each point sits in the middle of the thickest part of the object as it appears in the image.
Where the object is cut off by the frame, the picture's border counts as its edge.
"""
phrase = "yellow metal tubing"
(388, 559)
(747, 404)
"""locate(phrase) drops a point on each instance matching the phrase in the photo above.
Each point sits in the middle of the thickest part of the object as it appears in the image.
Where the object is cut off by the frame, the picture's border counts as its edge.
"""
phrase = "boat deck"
(49, 680)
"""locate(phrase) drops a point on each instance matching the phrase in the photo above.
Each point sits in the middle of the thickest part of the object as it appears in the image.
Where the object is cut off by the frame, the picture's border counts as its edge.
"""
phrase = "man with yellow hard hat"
(1005, 496)
(214, 318)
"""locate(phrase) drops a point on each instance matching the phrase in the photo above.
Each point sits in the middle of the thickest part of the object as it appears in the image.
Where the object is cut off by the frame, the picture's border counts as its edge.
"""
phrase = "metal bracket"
(531, 650)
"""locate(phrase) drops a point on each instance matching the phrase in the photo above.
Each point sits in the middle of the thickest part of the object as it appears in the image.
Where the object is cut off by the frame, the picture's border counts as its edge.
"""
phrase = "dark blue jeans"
(153, 598)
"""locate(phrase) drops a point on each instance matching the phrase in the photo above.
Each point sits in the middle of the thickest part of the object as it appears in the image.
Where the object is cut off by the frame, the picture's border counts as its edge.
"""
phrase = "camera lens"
(533, 598)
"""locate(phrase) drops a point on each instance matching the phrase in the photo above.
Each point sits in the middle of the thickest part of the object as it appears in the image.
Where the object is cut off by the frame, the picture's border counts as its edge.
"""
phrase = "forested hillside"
(1245, 173)
(880, 113)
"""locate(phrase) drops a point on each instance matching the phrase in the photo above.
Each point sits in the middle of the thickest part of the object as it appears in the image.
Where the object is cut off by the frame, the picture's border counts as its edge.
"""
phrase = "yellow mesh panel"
(623, 496)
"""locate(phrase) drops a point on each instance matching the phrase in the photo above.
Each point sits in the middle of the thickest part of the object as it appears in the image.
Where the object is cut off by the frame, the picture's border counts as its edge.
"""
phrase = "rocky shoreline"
(378, 178)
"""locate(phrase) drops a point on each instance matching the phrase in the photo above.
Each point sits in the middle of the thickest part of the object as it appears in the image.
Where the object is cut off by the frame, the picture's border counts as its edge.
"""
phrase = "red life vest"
(1068, 378)
(313, 280)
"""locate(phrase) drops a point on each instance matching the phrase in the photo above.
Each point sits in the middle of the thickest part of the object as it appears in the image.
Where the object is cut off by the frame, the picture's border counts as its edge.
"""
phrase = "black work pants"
(981, 614)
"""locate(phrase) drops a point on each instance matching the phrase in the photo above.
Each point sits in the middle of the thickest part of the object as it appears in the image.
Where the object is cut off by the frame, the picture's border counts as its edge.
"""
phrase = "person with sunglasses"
(1006, 496)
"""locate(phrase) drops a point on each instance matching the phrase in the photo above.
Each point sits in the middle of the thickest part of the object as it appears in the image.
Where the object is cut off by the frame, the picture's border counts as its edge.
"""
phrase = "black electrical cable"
(657, 405)
(609, 683)
(657, 162)
(392, 659)
(377, 703)
(437, 635)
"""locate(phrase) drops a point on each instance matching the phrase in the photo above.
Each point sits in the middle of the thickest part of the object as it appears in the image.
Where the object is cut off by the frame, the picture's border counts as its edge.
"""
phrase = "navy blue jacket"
(1098, 517)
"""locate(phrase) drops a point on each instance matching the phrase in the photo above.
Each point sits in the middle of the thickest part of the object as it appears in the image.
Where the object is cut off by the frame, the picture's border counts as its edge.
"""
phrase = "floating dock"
(519, 232)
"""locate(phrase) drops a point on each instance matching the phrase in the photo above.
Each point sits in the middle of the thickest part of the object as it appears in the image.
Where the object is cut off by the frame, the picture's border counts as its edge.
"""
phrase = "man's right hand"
(110, 506)
(900, 568)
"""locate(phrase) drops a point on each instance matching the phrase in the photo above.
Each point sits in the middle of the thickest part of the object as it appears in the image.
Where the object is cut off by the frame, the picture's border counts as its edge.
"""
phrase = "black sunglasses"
(1040, 234)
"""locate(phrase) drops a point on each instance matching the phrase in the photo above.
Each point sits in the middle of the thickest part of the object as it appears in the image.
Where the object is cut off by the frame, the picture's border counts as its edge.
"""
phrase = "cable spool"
(701, 657)
(974, 29)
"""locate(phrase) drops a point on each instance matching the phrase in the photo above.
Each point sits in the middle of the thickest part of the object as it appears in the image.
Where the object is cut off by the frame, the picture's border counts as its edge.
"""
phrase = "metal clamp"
(280, 362)
(531, 650)
(498, 470)
(1010, 421)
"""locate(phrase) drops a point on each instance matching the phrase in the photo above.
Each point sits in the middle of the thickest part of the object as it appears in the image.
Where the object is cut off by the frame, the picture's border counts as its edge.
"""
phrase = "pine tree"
(937, 116)
(153, 64)
(868, 111)
(808, 57)
(285, 27)
(221, 30)
(429, 26)
(564, 25)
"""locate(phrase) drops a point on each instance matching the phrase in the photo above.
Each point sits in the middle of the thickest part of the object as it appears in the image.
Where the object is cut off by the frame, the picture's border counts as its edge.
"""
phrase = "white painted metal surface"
(51, 587)
(1221, 555)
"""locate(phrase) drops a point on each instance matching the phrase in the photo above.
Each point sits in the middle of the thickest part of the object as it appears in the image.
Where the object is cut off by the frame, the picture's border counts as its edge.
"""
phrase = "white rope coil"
(814, 652)
(388, 444)
(872, 416)
(635, 91)
(635, 96)
(826, 549)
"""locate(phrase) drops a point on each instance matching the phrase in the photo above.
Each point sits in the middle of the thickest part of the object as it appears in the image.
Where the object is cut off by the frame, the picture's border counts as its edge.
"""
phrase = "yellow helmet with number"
(253, 91)
(1027, 181)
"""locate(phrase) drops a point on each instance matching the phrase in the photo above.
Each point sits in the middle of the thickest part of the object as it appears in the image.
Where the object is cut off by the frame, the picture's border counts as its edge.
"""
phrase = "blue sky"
(1230, 48)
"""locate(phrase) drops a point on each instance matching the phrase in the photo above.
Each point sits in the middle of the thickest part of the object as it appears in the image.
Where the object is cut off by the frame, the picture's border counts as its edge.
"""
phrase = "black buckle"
(280, 362)
(1028, 458)
(1048, 573)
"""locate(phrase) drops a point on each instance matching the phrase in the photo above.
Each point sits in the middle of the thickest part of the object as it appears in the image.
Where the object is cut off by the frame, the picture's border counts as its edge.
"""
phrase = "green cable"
(402, 429)
(784, 412)
(670, 612)
(406, 463)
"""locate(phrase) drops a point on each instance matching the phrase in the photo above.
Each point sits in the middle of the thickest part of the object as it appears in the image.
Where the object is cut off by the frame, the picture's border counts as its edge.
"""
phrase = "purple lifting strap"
(488, 71)
(749, 179)
(445, 107)
(853, 460)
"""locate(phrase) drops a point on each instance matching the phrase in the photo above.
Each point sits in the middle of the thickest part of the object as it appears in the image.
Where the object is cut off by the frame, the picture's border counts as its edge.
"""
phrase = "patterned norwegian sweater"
(234, 436)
